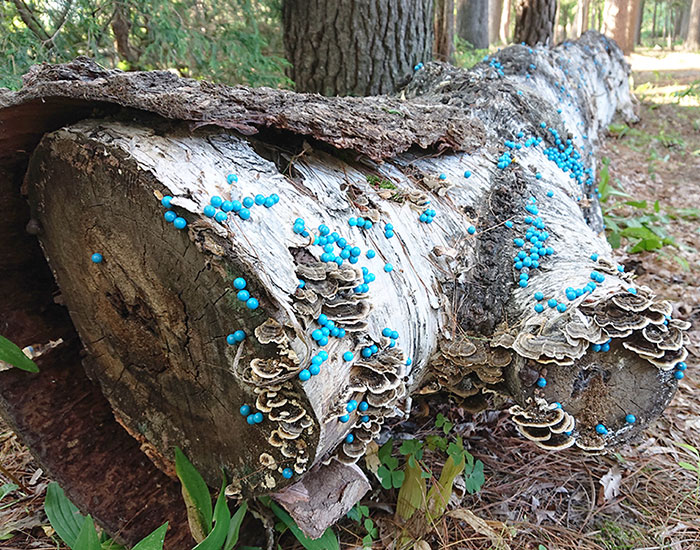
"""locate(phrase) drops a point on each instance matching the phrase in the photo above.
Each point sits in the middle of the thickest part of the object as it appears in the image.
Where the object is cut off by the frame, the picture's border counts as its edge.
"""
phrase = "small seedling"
(388, 474)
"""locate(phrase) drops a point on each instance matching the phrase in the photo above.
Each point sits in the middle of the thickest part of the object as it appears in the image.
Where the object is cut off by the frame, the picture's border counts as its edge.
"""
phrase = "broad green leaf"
(614, 239)
(688, 466)
(413, 447)
(355, 514)
(412, 494)
(397, 477)
(367, 541)
(222, 519)
(327, 541)
(12, 354)
(6, 489)
(234, 527)
(384, 452)
(63, 515)
(690, 448)
(154, 541)
(384, 476)
(88, 539)
(657, 206)
(475, 480)
(638, 204)
(196, 495)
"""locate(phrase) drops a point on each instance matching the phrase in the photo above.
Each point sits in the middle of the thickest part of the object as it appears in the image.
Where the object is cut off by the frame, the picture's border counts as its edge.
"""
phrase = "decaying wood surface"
(155, 314)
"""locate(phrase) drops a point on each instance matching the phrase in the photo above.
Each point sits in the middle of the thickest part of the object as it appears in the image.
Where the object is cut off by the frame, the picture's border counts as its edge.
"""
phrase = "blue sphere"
(541, 382)
(471, 230)
(248, 202)
(252, 303)
(236, 206)
(602, 430)
(231, 340)
(539, 308)
(244, 214)
(259, 200)
(96, 258)
(344, 418)
(165, 201)
(681, 366)
(170, 216)
(371, 254)
(245, 410)
(221, 217)
(630, 419)
(552, 303)
(243, 295)
(231, 178)
(239, 335)
(179, 223)
(539, 296)
(258, 417)
(363, 406)
(251, 419)
(364, 419)
(351, 406)
(388, 268)
(348, 356)
(323, 354)
(239, 283)
(287, 473)
(227, 206)
(209, 211)
(349, 438)
(269, 202)
(304, 375)
(314, 369)
(678, 375)
(366, 352)
(216, 201)
(352, 222)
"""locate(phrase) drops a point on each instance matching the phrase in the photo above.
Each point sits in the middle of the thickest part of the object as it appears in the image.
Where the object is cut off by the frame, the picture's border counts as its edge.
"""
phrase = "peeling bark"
(155, 314)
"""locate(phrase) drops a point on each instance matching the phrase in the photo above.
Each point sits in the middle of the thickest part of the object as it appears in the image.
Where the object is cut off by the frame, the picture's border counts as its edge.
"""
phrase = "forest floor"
(639, 498)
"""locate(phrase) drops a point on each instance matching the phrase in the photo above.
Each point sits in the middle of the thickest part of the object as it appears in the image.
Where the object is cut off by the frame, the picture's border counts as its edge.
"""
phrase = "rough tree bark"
(473, 22)
(335, 48)
(495, 9)
(534, 23)
(155, 314)
(692, 42)
(444, 30)
(504, 27)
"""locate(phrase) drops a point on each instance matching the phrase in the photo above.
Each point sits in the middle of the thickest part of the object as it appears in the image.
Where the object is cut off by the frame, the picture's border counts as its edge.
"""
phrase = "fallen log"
(278, 273)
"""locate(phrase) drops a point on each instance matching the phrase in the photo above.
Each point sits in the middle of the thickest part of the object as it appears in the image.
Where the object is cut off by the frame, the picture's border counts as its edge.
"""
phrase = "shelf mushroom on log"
(278, 273)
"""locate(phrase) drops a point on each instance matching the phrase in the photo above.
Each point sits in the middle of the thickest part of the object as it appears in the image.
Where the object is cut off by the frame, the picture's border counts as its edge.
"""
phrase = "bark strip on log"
(155, 314)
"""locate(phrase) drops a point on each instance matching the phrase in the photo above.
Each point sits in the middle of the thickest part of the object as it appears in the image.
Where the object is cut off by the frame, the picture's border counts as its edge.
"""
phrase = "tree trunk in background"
(504, 27)
(154, 316)
(640, 20)
(495, 8)
(534, 23)
(582, 16)
(693, 40)
(444, 30)
(653, 21)
(473, 22)
(620, 20)
(685, 20)
(335, 48)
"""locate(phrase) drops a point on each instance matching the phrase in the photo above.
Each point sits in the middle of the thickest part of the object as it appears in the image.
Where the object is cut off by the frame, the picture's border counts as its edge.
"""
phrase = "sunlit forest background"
(240, 41)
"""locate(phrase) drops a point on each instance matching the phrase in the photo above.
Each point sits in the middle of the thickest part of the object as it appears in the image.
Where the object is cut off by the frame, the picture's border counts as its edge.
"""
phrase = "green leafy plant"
(79, 532)
(380, 183)
(10, 353)
(388, 473)
(215, 530)
(360, 514)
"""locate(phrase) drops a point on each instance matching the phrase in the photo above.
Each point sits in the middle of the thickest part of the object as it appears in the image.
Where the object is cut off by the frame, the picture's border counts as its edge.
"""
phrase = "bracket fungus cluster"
(446, 239)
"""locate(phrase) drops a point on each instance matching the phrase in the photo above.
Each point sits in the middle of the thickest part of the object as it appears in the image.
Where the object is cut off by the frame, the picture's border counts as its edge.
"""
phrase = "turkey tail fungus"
(278, 271)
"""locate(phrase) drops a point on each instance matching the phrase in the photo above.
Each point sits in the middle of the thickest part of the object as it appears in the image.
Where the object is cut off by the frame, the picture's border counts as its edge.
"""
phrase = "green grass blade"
(10, 353)
(235, 526)
(154, 541)
(63, 515)
(222, 519)
(196, 495)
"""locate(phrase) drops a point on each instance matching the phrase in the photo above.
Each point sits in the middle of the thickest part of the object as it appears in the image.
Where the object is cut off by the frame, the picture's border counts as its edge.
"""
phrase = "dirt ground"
(532, 499)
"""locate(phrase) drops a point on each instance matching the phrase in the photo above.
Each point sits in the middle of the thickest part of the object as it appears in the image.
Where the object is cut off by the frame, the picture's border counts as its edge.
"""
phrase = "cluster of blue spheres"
(391, 334)
(170, 216)
(251, 418)
(239, 283)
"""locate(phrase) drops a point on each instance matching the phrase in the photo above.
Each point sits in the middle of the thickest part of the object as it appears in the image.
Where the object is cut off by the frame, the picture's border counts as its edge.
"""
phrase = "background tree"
(473, 22)
(582, 16)
(495, 9)
(692, 42)
(444, 30)
(620, 22)
(334, 47)
(534, 22)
